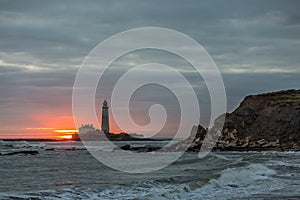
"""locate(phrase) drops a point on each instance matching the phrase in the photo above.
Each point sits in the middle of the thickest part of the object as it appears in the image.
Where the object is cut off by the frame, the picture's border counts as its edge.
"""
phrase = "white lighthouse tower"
(105, 118)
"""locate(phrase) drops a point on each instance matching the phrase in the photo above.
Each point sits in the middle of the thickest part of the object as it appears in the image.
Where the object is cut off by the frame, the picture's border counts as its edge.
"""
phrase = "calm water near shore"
(66, 170)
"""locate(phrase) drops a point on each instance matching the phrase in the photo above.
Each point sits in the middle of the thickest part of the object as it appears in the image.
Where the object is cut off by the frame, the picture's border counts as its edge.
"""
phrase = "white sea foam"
(231, 183)
(243, 176)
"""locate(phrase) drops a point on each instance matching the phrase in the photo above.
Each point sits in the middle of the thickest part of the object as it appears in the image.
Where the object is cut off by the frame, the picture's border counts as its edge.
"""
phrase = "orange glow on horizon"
(72, 131)
(49, 126)
(66, 137)
(66, 134)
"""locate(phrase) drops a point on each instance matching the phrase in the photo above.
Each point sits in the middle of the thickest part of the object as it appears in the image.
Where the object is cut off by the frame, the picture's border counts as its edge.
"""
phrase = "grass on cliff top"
(286, 98)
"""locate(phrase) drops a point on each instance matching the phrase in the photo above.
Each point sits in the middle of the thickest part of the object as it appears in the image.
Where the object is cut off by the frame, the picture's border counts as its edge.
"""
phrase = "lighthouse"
(105, 118)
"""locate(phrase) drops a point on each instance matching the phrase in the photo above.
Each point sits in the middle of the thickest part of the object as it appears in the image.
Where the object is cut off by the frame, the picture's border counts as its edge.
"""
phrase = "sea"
(66, 170)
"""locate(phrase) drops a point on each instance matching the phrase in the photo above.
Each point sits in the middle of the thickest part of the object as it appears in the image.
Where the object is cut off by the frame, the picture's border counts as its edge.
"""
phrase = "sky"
(255, 44)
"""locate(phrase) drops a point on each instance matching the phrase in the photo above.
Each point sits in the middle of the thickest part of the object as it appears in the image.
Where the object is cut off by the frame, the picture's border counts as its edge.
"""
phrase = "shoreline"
(191, 149)
(149, 148)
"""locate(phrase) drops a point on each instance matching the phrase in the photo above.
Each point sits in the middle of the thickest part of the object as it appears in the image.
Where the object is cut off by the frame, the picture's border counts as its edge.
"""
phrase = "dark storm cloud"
(42, 43)
(54, 31)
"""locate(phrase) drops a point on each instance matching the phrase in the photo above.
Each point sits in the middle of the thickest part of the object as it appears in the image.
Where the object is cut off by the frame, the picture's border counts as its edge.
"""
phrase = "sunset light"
(66, 137)
(66, 131)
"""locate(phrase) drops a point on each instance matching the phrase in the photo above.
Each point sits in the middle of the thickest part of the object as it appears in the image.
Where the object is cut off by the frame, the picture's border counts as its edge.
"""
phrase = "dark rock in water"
(126, 147)
(50, 149)
(26, 152)
(201, 132)
(233, 185)
(147, 148)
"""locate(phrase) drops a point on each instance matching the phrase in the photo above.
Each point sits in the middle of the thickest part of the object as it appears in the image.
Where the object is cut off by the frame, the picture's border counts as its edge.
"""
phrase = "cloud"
(254, 43)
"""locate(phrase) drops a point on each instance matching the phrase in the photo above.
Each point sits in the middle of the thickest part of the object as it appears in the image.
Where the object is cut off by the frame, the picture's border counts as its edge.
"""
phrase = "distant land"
(113, 137)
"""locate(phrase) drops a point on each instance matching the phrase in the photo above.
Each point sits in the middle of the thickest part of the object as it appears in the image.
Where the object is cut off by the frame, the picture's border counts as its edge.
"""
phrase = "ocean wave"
(230, 183)
(280, 163)
(243, 176)
(25, 148)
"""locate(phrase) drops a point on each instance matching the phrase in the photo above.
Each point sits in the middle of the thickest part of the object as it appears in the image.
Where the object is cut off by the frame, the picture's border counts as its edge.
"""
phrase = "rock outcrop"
(269, 121)
(25, 152)
(273, 116)
(265, 120)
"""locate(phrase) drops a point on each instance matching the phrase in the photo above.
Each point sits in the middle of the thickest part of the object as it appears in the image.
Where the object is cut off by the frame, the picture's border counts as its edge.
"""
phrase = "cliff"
(273, 116)
(269, 121)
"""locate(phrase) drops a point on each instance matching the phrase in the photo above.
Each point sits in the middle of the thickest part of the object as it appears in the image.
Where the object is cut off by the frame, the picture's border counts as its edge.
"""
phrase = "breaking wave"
(229, 183)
